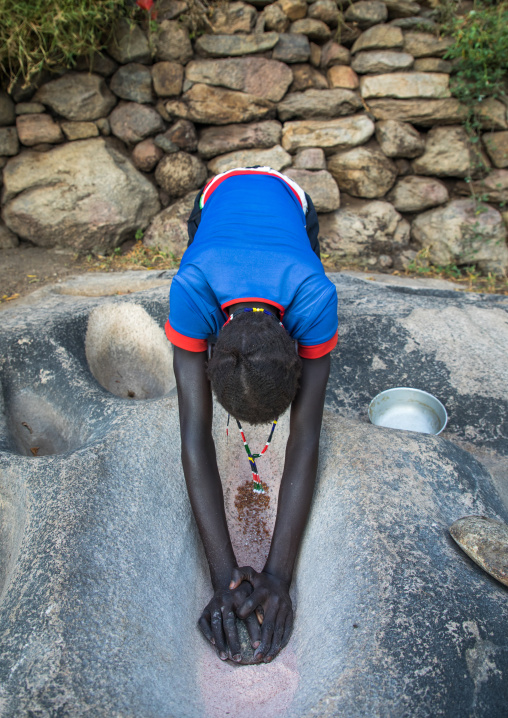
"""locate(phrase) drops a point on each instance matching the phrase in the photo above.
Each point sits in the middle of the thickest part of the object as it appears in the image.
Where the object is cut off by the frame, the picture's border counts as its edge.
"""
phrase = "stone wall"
(368, 127)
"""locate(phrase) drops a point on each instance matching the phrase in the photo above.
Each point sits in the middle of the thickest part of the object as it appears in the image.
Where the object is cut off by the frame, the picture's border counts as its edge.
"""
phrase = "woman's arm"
(207, 501)
(271, 586)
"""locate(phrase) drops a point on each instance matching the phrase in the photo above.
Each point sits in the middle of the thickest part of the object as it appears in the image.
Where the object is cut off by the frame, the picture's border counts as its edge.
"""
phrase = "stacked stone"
(367, 126)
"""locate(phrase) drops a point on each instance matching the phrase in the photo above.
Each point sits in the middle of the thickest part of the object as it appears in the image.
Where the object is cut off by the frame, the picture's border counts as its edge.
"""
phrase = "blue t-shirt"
(251, 244)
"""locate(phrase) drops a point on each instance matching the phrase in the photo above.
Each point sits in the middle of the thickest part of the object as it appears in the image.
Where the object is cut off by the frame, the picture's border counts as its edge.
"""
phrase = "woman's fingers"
(204, 626)
(254, 630)
(257, 597)
(245, 573)
(229, 625)
(277, 637)
(267, 630)
(288, 629)
(218, 633)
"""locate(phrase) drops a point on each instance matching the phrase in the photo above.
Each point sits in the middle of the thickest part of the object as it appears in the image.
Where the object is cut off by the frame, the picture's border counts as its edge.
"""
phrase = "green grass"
(45, 34)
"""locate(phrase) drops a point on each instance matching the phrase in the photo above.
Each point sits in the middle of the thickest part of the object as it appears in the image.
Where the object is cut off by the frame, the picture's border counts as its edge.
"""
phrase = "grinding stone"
(486, 542)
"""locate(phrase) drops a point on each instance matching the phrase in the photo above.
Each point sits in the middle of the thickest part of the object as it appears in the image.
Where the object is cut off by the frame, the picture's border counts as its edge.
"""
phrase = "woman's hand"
(272, 594)
(217, 622)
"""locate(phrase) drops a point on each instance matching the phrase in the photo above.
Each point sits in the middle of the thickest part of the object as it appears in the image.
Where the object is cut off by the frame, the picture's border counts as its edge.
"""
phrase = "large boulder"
(257, 76)
(318, 103)
(218, 106)
(362, 231)
(459, 234)
(215, 141)
(77, 96)
(320, 185)
(363, 172)
(329, 134)
(83, 194)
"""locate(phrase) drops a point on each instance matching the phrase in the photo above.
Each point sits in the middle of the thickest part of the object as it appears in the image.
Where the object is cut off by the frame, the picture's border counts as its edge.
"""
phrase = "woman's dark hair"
(254, 369)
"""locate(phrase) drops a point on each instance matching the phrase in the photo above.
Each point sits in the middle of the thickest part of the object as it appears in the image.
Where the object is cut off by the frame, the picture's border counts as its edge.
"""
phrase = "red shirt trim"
(253, 299)
(212, 184)
(318, 350)
(180, 340)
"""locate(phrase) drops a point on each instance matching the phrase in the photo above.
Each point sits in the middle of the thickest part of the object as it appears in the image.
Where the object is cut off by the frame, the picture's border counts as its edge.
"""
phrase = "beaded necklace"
(256, 481)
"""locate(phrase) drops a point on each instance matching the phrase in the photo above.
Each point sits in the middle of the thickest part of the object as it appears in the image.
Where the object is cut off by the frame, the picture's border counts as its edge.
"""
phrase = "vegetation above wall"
(45, 34)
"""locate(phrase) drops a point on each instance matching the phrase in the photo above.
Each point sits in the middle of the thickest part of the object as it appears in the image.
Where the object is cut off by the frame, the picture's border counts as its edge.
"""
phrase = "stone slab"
(102, 574)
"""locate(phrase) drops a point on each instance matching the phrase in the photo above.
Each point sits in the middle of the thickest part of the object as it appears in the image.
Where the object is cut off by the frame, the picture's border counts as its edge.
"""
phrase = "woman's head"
(254, 369)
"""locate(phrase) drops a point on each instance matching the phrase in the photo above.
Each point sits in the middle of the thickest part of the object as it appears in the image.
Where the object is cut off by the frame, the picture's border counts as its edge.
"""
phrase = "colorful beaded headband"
(250, 309)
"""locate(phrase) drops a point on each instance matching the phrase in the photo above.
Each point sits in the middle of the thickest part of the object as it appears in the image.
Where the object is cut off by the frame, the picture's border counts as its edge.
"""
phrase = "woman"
(252, 285)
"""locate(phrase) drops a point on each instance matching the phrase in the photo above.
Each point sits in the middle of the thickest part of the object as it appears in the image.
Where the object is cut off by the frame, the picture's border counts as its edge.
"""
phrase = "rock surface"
(34, 129)
(102, 522)
(83, 195)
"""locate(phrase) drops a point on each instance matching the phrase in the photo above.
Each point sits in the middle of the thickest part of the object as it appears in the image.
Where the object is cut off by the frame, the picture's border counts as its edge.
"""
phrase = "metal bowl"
(408, 409)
